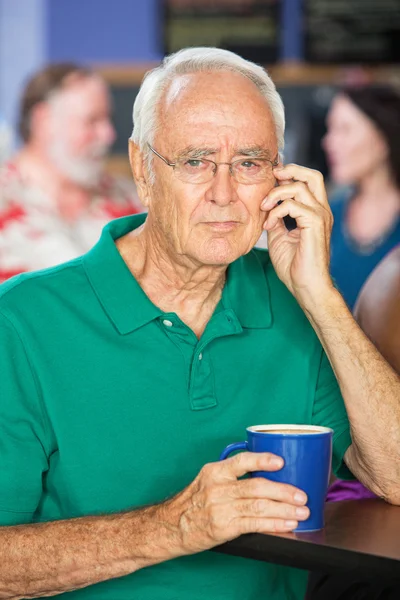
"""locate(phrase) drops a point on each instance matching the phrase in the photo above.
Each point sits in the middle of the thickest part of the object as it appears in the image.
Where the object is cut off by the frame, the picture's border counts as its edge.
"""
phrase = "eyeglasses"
(200, 170)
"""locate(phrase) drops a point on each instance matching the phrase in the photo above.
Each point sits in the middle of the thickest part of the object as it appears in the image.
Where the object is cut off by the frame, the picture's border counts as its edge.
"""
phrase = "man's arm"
(370, 387)
(371, 391)
(51, 558)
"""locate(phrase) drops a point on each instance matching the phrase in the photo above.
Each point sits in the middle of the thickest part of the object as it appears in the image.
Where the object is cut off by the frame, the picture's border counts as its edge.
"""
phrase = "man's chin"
(219, 252)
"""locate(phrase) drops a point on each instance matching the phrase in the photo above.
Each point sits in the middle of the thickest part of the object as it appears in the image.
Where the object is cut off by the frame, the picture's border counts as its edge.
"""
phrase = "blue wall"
(22, 49)
(113, 31)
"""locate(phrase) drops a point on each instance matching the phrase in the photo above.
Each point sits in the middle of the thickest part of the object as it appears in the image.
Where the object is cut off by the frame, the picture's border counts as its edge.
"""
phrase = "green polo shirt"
(108, 403)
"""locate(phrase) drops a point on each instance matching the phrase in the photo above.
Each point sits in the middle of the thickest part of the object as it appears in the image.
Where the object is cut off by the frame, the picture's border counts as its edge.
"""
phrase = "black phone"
(290, 222)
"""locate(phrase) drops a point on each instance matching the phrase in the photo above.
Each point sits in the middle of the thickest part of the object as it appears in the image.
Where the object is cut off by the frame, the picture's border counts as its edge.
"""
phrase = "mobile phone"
(290, 222)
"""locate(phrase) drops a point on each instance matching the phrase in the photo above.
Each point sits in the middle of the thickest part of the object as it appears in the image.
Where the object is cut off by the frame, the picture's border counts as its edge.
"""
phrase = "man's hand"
(301, 256)
(217, 507)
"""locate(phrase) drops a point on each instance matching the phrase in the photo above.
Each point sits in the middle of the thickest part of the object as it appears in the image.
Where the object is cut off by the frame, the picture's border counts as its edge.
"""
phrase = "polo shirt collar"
(246, 290)
(121, 296)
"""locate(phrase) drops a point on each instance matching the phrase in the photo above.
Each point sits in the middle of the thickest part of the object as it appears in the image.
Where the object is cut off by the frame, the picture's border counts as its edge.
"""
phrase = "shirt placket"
(201, 385)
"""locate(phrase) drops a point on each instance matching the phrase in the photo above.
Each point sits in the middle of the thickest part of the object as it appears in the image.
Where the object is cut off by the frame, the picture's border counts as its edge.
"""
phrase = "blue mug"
(307, 452)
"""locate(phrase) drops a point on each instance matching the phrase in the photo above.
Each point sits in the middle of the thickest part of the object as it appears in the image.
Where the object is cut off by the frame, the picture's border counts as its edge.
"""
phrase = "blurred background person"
(55, 195)
(362, 145)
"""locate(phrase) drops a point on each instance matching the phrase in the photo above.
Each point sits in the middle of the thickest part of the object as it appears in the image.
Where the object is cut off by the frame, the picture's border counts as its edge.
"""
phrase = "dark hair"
(381, 103)
(41, 85)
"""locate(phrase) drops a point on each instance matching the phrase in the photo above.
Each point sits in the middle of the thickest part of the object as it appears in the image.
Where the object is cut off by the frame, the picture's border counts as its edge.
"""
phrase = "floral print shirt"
(33, 235)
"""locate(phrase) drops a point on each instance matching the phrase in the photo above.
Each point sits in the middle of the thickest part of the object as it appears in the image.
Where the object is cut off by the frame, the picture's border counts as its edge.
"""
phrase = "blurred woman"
(362, 145)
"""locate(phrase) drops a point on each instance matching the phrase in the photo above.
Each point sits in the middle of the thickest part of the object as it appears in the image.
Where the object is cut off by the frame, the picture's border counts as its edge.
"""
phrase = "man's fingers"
(305, 216)
(312, 178)
(298, 191)
(260, 488)
(248, 462)
(310, 221)
(270, 509)
(260, 525)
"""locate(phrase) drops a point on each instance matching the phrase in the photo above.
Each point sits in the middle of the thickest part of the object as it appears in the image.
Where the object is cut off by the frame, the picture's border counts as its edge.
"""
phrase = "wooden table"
(361, 537)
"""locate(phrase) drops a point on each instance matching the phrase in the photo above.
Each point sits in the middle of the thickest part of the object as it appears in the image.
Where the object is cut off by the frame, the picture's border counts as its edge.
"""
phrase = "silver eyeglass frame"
(216, 165)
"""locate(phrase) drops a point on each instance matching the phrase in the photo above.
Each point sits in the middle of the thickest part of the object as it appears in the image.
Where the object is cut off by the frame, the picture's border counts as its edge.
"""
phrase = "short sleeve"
(329, 411)
(23, 457)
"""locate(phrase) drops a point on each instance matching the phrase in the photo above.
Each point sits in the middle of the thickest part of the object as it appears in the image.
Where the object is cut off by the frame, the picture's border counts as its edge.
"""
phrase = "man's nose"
(222, 191)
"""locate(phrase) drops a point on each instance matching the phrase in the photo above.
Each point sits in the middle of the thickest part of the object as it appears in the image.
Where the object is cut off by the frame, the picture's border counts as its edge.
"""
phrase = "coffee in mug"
(288, 431)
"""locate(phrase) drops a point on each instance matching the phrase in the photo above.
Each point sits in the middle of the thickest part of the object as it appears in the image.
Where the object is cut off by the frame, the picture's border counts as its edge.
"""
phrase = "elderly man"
(55, 196)
(125, 372)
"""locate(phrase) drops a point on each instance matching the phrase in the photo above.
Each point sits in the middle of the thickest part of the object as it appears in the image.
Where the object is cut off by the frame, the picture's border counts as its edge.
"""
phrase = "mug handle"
(232, 447)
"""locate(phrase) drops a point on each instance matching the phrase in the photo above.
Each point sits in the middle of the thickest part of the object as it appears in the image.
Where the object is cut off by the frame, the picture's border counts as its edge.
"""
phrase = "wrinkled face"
(81, 129)
(353, 145)
(222, 117)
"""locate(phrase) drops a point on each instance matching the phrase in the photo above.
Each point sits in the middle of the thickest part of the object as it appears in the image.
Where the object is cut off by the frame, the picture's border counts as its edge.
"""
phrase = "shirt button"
(167, 323)
(201, 356)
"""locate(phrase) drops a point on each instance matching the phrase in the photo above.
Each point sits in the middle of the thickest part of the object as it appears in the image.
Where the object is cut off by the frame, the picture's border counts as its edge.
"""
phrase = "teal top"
(108, 403)
(352, 264)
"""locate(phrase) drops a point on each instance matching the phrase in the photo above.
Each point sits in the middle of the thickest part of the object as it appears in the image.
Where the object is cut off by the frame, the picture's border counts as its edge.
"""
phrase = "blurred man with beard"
(55, 196)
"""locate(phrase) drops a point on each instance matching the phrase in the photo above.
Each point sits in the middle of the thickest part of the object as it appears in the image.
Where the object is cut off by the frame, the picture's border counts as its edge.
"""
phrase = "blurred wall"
(34, 32)
(22, 48)
(117, 31)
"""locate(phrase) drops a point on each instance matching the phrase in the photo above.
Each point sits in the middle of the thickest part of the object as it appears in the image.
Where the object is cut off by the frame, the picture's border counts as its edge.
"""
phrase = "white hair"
(195, 60)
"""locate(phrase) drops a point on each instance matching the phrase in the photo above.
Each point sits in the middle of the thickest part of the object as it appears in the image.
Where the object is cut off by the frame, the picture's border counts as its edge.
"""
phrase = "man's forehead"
(203, 108)
(178, 85)
(223, 87)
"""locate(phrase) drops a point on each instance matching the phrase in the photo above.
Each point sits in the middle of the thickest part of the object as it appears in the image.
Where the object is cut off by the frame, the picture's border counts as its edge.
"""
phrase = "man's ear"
(140, 174)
